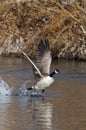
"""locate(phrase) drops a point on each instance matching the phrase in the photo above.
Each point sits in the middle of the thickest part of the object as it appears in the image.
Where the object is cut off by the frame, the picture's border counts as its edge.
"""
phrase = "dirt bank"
(64, 26)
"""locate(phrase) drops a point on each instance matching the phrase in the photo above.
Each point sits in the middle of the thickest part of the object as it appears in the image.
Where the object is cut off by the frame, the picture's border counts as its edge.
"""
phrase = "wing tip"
(43, 44)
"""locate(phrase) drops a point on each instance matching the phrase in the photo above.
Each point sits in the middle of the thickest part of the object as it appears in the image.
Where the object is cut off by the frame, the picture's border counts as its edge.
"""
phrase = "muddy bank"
(64, 26)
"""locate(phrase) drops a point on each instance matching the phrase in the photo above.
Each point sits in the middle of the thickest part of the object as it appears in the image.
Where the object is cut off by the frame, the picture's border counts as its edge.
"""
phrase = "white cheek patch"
(56, 72)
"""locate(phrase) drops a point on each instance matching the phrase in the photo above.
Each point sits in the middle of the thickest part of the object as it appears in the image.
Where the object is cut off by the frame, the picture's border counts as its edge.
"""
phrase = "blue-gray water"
(63, 106)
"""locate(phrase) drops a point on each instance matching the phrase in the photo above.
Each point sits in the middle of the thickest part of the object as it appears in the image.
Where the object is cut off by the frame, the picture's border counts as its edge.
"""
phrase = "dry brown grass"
(65, 27)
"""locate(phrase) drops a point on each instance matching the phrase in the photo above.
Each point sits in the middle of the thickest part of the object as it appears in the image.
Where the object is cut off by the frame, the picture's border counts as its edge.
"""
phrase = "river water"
(62, 107)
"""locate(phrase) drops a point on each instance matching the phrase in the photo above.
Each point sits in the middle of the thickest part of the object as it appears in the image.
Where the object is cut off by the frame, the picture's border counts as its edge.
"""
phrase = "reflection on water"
(25, 114)
(42, 115)
(63, 106)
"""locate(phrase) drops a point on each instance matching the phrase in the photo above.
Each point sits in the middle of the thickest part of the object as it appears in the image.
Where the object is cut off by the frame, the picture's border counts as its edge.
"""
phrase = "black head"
(54, 72)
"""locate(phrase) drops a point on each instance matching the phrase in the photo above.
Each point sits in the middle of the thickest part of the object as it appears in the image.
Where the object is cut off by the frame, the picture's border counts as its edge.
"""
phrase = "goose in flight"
(41, 69)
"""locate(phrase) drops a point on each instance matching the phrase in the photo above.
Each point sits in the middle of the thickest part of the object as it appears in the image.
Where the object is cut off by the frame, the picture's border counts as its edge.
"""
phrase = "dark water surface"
(63, 106)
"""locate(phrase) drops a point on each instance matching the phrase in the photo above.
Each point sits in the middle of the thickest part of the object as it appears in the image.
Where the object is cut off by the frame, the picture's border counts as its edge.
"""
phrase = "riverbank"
(64, 26)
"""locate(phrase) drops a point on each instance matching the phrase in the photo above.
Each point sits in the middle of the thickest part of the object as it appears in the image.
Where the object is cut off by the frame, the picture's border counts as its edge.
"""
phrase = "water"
(63, 106)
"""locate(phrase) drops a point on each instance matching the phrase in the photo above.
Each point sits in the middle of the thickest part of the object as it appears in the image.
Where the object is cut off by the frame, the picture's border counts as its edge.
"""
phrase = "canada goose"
(42, 68)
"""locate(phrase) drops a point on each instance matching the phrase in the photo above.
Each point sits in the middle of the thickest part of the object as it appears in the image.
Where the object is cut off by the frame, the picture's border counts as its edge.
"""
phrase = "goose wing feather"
(43, 56)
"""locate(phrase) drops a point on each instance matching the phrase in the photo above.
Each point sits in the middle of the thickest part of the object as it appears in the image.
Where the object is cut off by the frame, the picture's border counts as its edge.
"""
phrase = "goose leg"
(29, 88)
(43, 90)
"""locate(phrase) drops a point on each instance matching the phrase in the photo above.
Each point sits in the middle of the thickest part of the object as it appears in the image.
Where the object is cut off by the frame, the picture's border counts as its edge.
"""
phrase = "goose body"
(41, 69)
(43, 83)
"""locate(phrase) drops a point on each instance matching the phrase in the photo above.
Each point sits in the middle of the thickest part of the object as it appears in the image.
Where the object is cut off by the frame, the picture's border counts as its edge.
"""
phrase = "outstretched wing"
(33, 64)
(43, 57)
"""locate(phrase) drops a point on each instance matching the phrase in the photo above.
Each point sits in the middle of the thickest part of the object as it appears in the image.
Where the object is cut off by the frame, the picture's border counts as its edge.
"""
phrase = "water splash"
(24, 92)
(23, 89)
(4, 88)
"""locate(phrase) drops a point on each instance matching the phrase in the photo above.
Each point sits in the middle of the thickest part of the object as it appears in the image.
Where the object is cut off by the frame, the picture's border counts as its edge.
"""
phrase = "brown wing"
(43, 57)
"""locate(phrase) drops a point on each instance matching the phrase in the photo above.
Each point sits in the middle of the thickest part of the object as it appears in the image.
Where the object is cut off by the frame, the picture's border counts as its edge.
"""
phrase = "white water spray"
(23, 89)
(4, 88)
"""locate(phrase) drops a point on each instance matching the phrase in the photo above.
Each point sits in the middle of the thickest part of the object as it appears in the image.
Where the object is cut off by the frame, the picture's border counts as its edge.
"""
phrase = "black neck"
(51, 74)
